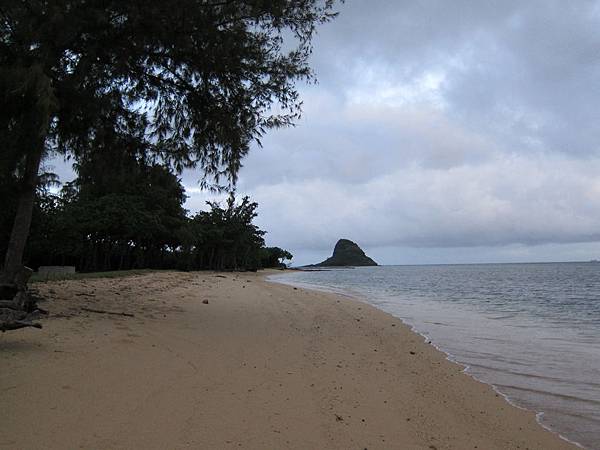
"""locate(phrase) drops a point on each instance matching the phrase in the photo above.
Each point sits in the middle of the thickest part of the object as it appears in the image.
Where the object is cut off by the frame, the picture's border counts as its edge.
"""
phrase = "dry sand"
(260, 366)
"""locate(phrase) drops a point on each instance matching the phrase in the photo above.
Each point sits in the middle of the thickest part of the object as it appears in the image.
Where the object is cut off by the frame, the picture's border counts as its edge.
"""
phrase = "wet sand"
(219, 361)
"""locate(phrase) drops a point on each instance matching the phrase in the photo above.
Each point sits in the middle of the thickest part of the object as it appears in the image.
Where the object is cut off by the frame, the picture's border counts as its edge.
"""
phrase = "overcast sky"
(441, 131)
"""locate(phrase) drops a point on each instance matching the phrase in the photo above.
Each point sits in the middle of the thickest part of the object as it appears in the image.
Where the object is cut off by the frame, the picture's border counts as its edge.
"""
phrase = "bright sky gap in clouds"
(440, 132)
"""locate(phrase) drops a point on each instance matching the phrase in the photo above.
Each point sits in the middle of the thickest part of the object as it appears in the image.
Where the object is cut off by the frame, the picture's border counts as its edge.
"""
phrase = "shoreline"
(426, 339)
(260, 365)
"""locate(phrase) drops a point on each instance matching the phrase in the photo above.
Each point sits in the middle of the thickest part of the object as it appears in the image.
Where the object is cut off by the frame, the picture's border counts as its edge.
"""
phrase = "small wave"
(536, 376)
(492, 339)
(595, 421)
(470, 355)
(548, 393)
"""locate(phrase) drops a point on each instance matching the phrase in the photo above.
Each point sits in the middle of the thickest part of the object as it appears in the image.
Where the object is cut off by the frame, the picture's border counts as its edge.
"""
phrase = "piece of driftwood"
(17, 324)
(112, 313)
(18, 308)
(13, 319)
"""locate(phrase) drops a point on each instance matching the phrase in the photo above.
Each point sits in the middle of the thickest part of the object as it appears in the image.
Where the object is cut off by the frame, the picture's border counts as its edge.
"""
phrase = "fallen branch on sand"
(18, 308)
(17, 324)
(112, 313)
(13, 316)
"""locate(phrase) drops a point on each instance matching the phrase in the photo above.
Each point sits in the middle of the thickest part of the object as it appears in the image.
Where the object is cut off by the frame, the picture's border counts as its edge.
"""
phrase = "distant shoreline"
(309, 266)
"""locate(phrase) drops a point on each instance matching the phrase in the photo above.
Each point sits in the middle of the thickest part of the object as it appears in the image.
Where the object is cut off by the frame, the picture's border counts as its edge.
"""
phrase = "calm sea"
(531, 330)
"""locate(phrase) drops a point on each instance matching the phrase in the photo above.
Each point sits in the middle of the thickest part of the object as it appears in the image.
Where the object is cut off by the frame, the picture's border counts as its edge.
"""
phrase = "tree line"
(124, 211)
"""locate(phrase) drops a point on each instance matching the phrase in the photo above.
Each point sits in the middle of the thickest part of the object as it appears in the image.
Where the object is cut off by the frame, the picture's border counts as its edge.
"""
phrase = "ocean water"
(531, 330)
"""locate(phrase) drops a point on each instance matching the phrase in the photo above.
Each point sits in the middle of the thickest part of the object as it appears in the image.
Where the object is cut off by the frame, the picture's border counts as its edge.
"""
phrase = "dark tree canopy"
(198, 79)
(142, 224)
(275, 257)
(225, 237)
(125, 212)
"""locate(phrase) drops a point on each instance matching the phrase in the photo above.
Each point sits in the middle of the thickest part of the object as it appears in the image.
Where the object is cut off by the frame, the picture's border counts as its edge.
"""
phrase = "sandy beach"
(218, 361)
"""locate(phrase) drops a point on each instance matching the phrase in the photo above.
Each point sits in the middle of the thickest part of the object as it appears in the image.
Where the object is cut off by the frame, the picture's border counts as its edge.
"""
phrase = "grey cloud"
(357, 143)
(526, 71)
(513, 200)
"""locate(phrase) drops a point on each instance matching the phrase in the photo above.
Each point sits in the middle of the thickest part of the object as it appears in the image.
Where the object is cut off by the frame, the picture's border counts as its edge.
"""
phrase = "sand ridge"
(223, 361)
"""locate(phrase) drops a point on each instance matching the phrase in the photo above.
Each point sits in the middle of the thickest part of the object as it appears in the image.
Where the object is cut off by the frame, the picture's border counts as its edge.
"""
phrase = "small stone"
(205, 302)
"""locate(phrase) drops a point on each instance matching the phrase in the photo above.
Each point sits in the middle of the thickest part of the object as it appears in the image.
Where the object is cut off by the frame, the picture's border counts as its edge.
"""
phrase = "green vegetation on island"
(347, 253)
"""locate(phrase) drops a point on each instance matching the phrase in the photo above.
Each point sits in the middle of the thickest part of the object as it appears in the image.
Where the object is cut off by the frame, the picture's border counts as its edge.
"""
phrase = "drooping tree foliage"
(192, 82)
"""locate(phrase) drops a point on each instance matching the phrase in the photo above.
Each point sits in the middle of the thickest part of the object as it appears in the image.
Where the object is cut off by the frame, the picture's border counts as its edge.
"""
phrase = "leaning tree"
(197, 80)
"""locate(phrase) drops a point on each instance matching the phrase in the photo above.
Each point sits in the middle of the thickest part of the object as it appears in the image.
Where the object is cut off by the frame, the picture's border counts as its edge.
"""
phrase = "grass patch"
(37, 278)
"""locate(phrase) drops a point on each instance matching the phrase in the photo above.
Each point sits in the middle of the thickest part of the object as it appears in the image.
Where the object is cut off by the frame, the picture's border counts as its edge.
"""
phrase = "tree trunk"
(39, 102)
(13, 260)
(122, 257)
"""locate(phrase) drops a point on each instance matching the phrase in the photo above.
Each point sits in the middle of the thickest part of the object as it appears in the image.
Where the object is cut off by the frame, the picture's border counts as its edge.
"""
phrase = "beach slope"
(219, 361)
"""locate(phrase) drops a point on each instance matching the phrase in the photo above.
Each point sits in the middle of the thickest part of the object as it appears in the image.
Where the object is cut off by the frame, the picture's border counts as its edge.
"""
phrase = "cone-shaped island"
(347, 253)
